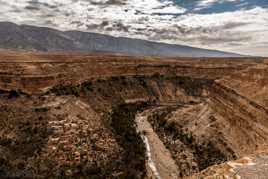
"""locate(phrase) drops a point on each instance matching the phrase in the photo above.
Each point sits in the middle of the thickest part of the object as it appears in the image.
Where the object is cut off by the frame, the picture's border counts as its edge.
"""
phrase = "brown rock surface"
(65, 115)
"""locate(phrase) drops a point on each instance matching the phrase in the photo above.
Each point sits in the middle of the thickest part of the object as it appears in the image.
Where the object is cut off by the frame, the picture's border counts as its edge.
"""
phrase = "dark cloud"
(92, 26)
(119, 26)
(230, 38)
(32, 8)
(104, 23)
(109, 2)
(78, 23)
(209, 35)
(37, 4)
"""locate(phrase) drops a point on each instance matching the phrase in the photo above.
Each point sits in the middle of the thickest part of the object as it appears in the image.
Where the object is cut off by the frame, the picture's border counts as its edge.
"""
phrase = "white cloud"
(147, 19)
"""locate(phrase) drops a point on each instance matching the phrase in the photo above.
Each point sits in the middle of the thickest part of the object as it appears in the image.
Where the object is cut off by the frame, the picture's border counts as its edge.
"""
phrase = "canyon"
(117, 116)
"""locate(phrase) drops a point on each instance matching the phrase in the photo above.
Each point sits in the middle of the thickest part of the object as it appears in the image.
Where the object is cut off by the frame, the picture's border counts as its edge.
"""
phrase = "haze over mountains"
(33, 38)
(238, 26)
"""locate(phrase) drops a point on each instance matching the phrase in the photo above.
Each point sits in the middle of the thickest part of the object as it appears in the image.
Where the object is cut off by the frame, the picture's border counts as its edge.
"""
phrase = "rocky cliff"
(76, 115)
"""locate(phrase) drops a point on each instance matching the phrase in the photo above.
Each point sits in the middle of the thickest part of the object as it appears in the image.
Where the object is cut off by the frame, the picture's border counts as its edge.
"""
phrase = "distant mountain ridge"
(26, 37)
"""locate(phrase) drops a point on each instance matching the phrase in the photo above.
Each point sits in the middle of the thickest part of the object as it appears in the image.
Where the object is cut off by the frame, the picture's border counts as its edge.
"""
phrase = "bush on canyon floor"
(123, 124)
(205, 153)
(75, 90)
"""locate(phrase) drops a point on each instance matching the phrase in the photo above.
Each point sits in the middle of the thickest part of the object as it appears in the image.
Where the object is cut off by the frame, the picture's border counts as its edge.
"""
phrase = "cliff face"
(35, 73)
(74, 115)
(242, 97)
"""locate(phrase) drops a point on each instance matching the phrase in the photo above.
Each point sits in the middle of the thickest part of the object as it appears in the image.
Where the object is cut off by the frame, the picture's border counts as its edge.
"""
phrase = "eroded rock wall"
(70, 113)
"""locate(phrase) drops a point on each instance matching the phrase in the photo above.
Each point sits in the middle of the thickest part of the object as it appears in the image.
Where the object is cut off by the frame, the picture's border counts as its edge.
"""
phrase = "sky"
(239, 26)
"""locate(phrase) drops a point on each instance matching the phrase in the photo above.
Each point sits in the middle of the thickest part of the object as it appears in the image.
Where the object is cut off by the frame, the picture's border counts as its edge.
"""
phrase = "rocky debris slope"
(76, 115)
(252, 166)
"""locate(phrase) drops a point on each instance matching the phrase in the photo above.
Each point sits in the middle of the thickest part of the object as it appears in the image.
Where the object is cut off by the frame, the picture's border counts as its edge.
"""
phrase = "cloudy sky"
(239, 26)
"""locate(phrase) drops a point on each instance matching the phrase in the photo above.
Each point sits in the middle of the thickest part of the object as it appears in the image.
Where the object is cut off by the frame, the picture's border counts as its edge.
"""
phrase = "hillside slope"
(27, 37)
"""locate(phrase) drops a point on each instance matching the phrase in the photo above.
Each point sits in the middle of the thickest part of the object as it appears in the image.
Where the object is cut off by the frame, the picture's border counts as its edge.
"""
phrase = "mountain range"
(26, 37)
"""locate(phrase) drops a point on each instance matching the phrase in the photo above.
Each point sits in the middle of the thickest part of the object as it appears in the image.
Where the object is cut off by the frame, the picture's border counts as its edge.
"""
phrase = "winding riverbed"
(159, 160)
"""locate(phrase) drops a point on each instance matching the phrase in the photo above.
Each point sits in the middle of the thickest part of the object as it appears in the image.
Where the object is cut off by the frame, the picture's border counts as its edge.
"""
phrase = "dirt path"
(160, 162)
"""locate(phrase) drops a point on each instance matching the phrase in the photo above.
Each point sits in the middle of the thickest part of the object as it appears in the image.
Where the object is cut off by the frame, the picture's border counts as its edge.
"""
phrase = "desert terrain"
(100, 115)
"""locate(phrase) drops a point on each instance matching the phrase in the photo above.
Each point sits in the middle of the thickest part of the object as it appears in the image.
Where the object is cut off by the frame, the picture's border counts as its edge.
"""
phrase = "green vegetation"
(123, 124)
(42, 109)
(60, 89)
(13, 94)
(205, 153)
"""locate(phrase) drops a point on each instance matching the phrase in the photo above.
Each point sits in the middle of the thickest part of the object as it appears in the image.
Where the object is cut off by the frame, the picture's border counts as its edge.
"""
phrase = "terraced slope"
(111, 116)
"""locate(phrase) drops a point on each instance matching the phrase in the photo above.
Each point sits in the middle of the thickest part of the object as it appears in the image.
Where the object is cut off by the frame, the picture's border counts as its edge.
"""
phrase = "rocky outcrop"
(243, 114)
(79, 114)
(35, 72)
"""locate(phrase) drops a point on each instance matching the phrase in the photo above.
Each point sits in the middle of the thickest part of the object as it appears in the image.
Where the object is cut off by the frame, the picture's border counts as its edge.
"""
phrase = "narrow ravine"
(159, 160)
(132, 163)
